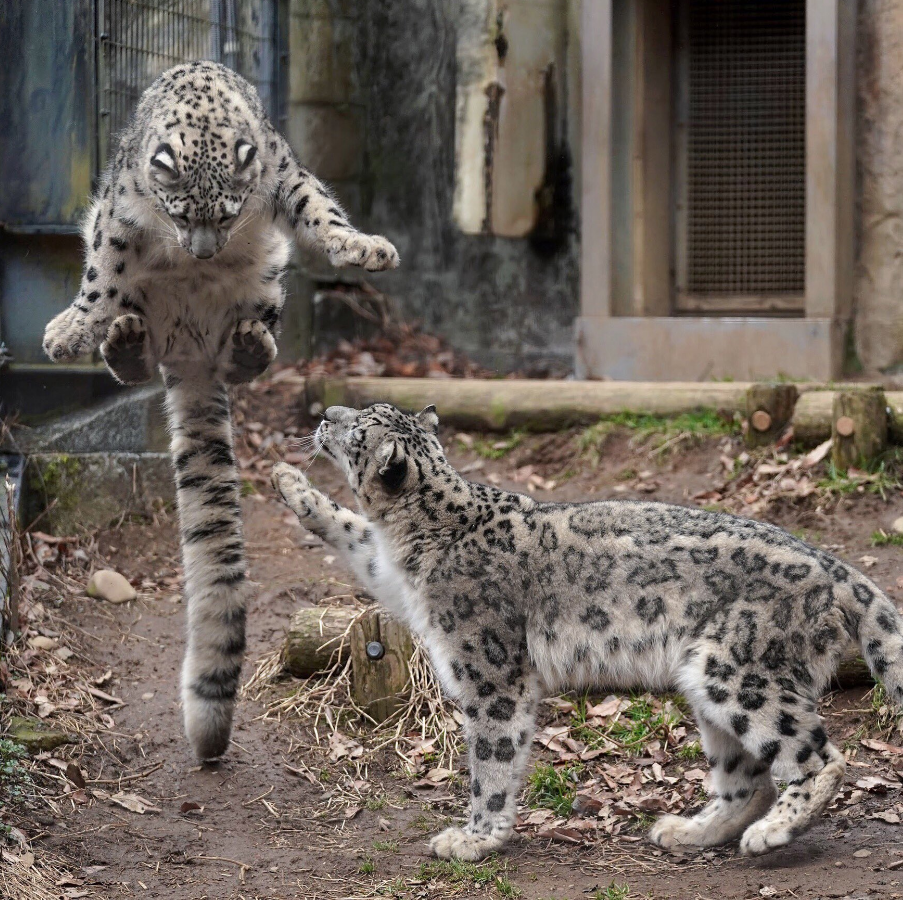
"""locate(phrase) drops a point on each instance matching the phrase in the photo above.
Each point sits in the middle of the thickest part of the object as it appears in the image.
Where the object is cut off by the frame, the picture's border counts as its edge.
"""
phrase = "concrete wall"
(878, 292)
(387, 132)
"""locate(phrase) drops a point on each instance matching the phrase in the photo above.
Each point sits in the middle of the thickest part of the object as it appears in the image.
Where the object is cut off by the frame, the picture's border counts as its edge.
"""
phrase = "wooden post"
(859, 427)
(769, 409)
(314, 637)
(381, 650)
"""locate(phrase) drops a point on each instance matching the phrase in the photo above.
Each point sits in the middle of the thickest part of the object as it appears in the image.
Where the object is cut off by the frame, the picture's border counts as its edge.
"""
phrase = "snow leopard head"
(382, 451)
(202, 178)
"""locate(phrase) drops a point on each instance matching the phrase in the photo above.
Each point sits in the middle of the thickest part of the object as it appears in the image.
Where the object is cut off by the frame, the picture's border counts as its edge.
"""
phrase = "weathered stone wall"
(878, 292)
(388, 144)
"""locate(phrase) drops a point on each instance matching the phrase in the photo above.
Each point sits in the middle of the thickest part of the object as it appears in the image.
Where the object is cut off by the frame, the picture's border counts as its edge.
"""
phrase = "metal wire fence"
(137, 40)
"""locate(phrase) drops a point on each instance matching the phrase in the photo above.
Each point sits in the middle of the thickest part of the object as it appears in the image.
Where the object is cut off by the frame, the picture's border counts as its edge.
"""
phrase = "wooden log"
(812, 417)
(314, 637)
(859, 427)
(852, 670)
(535, 405)
(381, 650)
(769, 409)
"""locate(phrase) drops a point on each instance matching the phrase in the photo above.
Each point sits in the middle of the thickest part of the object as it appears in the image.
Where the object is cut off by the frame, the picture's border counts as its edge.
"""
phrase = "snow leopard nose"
(340, 415)
(203, 242)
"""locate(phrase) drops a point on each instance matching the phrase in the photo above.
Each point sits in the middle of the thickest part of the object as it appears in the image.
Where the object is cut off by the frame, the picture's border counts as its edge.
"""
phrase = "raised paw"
(763, 836)
(126, 351)
(253, 349)
(65, 338)
(459, 843)
(369, 251)
(296, 491)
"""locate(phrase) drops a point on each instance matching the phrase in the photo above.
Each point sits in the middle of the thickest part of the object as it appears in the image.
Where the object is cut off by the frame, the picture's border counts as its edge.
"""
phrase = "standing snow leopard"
(514, 597)
(186, 241)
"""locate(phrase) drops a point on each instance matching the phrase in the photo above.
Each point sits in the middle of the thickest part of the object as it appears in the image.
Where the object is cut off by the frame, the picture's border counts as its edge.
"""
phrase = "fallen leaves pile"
(58, 704)
(397, 351)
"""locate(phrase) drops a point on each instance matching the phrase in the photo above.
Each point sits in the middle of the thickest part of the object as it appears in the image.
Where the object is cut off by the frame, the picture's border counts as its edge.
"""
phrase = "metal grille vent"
(745, 147)
(140, 39)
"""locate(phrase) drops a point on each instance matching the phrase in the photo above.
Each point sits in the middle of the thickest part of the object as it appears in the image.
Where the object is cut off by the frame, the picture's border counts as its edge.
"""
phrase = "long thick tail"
(879, 627)
(216, 589)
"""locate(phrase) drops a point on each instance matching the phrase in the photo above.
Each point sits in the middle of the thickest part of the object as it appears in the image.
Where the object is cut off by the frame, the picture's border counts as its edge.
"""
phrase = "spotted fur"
(514, 597)
(186, 241)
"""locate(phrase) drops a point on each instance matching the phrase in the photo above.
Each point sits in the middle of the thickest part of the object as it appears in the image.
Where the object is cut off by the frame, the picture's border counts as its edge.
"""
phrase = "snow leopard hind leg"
(216, 588)
(743, 792)
(753, 720)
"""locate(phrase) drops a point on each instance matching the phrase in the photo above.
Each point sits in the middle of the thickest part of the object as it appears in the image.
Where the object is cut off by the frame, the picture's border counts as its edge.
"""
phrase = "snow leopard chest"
(193, 305)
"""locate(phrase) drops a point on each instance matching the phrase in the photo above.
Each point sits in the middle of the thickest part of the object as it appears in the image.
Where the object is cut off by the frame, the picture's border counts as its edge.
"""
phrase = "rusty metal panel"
(47, 108)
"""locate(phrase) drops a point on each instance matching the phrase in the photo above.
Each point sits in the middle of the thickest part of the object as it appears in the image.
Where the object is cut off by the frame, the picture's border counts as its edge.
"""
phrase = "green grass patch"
(386, 846)
(881, 538)
(498, 447)
(661, 432)
(14, 777)
(553, 788)
(367, 867)
(690, 752)
(642, 721)
(879, 479)
(456, 873)
(614, 891)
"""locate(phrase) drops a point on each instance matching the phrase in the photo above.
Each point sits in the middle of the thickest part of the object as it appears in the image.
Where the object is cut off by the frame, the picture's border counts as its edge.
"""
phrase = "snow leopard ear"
(164, 163)
(245, 152)
(428, 418)
(393, 465)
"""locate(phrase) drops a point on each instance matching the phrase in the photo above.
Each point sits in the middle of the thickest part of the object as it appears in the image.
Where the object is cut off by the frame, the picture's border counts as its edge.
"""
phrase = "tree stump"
(859, 427)
(769, 409)
(381, 650)
(314, 637)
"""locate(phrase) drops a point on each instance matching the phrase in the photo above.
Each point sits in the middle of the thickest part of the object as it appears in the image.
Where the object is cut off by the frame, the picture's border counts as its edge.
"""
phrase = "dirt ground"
(277, 818)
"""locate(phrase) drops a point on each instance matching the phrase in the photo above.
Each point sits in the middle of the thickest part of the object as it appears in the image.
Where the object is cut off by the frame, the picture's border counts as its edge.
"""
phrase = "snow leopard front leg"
(499, 728)
(348, 532)
(107, 309)
(316, 218)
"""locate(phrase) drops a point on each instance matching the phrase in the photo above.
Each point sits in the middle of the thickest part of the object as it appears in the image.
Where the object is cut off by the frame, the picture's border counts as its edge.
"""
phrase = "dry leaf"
(881, 746)
(134, 803)
(76, 776)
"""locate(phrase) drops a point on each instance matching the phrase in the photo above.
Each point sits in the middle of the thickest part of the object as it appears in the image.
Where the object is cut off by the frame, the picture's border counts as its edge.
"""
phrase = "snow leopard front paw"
(65, 338)
(677, 833)
(295, 490)
(126, 351)
(764, 836)
(459, 843)
(253, 349)
(369, 251)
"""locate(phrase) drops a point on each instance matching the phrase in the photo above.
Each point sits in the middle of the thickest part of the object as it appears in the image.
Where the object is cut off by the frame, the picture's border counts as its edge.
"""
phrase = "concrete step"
(131, 422)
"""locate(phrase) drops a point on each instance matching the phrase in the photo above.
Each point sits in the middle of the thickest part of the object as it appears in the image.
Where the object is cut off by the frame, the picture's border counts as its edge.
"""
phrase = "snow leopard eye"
(244, 154)
(164, 161)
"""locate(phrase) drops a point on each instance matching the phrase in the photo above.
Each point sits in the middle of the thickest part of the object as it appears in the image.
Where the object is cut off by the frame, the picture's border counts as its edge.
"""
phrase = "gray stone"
(110, 586)
(71, 492)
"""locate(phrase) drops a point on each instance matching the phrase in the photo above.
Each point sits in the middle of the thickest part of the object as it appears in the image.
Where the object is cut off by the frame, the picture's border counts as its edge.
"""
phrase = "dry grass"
(325, 702)
(25, 876)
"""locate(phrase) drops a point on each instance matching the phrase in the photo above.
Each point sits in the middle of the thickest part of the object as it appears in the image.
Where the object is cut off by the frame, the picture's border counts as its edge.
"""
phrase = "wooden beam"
(595, 206)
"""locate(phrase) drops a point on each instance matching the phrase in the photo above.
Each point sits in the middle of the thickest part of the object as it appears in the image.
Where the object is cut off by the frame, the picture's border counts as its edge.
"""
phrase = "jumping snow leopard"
(514, 598)
(186, 241)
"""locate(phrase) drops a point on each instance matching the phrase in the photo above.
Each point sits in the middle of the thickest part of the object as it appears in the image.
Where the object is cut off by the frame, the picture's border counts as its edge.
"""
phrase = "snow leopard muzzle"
(203, 242)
